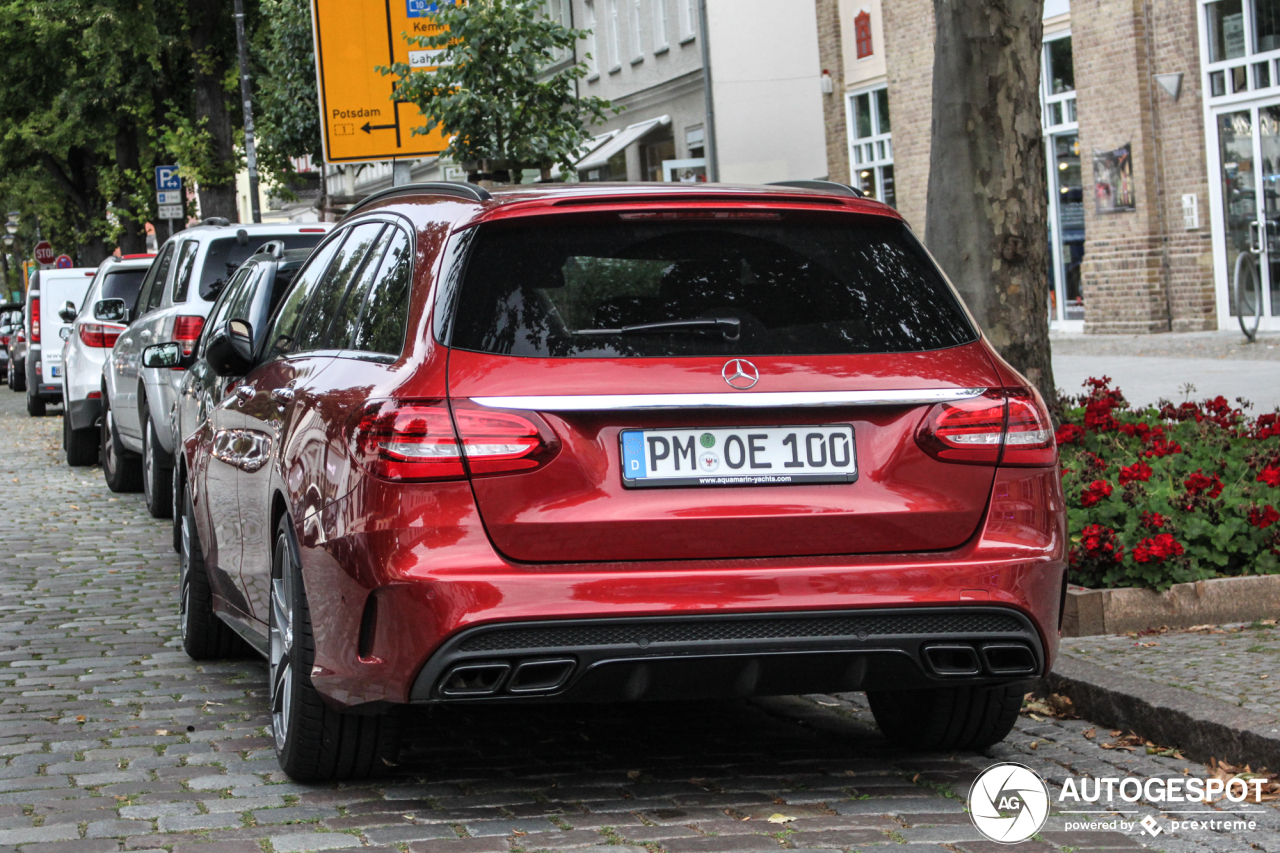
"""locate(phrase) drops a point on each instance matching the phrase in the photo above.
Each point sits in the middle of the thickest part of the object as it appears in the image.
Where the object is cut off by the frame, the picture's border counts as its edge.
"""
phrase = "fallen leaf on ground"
(780, 818)
(1091, 733)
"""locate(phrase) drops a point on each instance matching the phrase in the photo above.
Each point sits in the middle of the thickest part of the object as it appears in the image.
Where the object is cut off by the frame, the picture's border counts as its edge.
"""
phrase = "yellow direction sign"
(358, 119)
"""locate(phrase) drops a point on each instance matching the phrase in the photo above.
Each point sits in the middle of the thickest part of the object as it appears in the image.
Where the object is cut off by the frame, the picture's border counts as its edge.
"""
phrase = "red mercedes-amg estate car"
(603, 442)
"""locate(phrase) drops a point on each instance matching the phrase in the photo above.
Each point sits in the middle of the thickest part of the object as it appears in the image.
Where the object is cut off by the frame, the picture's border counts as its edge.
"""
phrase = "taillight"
(1006, 427)
(416, 441)
(186, 331)
(4, 340)
(98, 335)
(35, 320)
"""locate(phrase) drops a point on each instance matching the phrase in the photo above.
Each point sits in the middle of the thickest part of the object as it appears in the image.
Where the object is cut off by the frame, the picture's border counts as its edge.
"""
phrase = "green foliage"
(286, 108)
(1168, 495)
(495, 91)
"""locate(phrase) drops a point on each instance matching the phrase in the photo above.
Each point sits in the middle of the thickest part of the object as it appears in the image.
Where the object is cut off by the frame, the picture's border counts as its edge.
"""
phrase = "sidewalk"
(1152, 367)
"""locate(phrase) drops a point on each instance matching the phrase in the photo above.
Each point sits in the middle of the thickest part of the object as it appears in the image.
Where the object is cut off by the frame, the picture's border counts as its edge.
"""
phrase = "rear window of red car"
(786, 286)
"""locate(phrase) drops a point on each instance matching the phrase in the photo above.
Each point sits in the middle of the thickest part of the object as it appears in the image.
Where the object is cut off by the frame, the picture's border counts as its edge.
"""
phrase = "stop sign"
(44, 252)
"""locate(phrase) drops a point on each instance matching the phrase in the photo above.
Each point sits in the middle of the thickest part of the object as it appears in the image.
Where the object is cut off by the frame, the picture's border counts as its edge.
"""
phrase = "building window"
(862, 33)
(637, 51)
(660, 42)
(871, 144)
(559, 11)
(615, 51)
(593, 64)
(688, 19)
(695, 140)
(1066, 182)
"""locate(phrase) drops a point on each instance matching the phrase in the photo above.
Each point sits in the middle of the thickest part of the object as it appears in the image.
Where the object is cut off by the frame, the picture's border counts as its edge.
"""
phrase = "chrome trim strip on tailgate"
(739, 400)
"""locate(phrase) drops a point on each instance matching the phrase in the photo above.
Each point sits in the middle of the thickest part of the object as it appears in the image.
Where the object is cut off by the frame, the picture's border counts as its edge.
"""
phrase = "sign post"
(169, 196)
(358, 120)
(44, 253)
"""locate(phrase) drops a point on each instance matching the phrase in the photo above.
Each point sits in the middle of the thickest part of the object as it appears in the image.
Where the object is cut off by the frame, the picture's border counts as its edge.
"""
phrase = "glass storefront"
(1065, 183)
(871, 144)
(1249, 160)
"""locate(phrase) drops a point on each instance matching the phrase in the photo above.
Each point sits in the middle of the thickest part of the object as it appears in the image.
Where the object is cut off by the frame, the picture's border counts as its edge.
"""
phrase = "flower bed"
(1168, 495)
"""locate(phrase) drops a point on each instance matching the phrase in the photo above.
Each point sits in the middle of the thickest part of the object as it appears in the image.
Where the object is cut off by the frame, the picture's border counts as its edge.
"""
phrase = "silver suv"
(188, 273)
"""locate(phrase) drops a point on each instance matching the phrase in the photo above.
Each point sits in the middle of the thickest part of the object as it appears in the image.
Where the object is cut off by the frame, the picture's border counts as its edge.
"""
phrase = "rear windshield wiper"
(730, 327)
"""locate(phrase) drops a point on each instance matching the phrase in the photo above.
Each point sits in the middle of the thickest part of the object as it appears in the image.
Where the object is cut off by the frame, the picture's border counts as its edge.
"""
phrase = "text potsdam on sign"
(358, 119)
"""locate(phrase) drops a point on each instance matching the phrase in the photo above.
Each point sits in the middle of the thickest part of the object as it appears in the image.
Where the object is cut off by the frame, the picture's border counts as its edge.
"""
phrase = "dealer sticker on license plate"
(739, 456)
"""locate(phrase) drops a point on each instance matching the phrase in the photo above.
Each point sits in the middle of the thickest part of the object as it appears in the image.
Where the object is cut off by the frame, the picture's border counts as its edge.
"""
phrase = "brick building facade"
(1127, 158)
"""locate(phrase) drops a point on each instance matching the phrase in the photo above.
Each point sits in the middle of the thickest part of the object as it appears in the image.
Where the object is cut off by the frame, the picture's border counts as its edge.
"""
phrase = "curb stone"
(1202, 727)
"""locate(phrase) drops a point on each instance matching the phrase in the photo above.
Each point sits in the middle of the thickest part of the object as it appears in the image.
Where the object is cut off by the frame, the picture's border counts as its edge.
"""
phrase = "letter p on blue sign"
(167, 178)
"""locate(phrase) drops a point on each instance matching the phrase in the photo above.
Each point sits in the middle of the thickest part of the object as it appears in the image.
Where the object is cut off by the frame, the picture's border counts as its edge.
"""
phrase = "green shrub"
(1168, 495)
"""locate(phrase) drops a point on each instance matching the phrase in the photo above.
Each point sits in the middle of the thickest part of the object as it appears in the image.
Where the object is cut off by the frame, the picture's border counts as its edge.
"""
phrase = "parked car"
(16, 374)
(10, 322)
(252, 294)
(86, 351)
(46, 327)
(599, 443)
(177, 292)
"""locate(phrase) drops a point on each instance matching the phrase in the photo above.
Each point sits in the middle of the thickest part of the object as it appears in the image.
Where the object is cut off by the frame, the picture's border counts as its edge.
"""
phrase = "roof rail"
(470, 192)
(275, 248)
(822, 186)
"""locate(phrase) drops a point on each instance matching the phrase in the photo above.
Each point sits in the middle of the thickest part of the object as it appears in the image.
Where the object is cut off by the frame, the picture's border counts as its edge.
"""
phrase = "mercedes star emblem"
(740, 374)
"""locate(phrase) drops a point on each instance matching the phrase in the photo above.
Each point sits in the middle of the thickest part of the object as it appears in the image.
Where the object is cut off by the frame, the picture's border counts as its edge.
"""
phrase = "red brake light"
(35, 320)
(4, 340)
(93, 395)
(99, 335)
(312, 230)
(186, 331)
(408, 442)
(1007, 427)
(416, 442)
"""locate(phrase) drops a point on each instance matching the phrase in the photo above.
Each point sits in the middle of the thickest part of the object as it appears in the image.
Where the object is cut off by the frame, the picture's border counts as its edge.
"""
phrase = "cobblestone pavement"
(112, 740)
(1217, 345)
(1239, 664)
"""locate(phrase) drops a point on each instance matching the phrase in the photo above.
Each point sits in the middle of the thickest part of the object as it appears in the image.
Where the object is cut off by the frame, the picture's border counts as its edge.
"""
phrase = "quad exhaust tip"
(989, 658)
(544, 675)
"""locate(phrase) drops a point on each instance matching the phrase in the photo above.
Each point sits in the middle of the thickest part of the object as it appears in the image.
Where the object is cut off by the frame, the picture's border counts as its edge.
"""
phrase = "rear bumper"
(399, 595)
(84, 413)
(695, 657)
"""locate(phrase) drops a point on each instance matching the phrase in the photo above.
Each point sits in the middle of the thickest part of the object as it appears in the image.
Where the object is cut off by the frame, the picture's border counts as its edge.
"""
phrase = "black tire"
(157, 471)
(18, 377)
(314, 742)
(81, 445)
(946, 718)
(36, 406)
(204, 635)
(121, 469)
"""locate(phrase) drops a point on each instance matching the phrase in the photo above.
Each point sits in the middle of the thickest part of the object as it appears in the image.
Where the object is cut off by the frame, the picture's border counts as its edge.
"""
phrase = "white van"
(51, 291)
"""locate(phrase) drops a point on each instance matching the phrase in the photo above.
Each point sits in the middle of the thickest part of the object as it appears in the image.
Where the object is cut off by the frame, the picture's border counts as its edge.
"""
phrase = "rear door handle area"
(245, 393)
(283, 396)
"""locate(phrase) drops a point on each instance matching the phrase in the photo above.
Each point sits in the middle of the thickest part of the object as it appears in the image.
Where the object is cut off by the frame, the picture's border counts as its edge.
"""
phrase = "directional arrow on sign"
(368, 128)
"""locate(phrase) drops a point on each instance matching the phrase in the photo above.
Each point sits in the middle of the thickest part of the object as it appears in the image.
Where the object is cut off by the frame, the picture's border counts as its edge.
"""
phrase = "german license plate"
(55, 370)
(739, 456)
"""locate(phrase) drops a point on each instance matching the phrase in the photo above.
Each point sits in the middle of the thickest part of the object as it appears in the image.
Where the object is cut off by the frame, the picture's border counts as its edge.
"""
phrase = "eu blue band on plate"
(633, 463)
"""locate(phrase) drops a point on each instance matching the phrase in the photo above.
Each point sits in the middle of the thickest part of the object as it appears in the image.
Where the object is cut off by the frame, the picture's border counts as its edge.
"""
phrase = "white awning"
(585, 149)
(601, 155)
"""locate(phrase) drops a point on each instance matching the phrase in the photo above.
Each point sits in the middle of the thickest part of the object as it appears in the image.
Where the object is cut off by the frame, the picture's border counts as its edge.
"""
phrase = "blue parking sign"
(418, 8)
(167, 177)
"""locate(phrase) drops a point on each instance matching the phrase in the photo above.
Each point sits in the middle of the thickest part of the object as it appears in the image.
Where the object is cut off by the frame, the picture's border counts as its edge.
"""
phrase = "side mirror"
(64, 333)
(230, 349)
(68, 313)
(166, 355)
(111, 310)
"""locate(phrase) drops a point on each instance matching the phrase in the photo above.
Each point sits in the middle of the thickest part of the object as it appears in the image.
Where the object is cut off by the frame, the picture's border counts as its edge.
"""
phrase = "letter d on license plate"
(739, 456)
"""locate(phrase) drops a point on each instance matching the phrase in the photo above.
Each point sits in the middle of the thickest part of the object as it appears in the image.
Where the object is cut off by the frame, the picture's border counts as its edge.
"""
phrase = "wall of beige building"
(1143, 270)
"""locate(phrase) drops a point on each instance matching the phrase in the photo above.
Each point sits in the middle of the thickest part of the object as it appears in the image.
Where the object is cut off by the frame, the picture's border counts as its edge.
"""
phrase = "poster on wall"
(1113, 180)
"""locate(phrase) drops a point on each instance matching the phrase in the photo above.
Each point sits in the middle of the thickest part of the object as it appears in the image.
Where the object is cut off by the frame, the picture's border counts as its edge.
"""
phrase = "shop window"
(1226, 29)
(653, 153)
(862, 33)
(1266, 25)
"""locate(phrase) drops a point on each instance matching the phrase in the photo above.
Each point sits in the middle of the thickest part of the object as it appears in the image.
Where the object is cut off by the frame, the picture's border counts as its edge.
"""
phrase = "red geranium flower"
(1096, 491)
(1267, 426)
(1157, 549)
(1270, 475)
(1153, 520)
(1263, 517)
(1137, 472)
(1198, 483)
(1069, 434)
(1139, 429)
(1097, 416)
(1097, 544)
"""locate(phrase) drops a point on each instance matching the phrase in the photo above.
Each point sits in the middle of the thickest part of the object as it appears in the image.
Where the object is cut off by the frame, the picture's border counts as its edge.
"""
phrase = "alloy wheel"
(281, 644)
(148, 466)
(109, 460)
(184, 574)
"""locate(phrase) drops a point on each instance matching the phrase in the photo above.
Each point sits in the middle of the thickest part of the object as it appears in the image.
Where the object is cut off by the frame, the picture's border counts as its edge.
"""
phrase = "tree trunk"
(217, 196)
(133, 239)
(987, 206)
